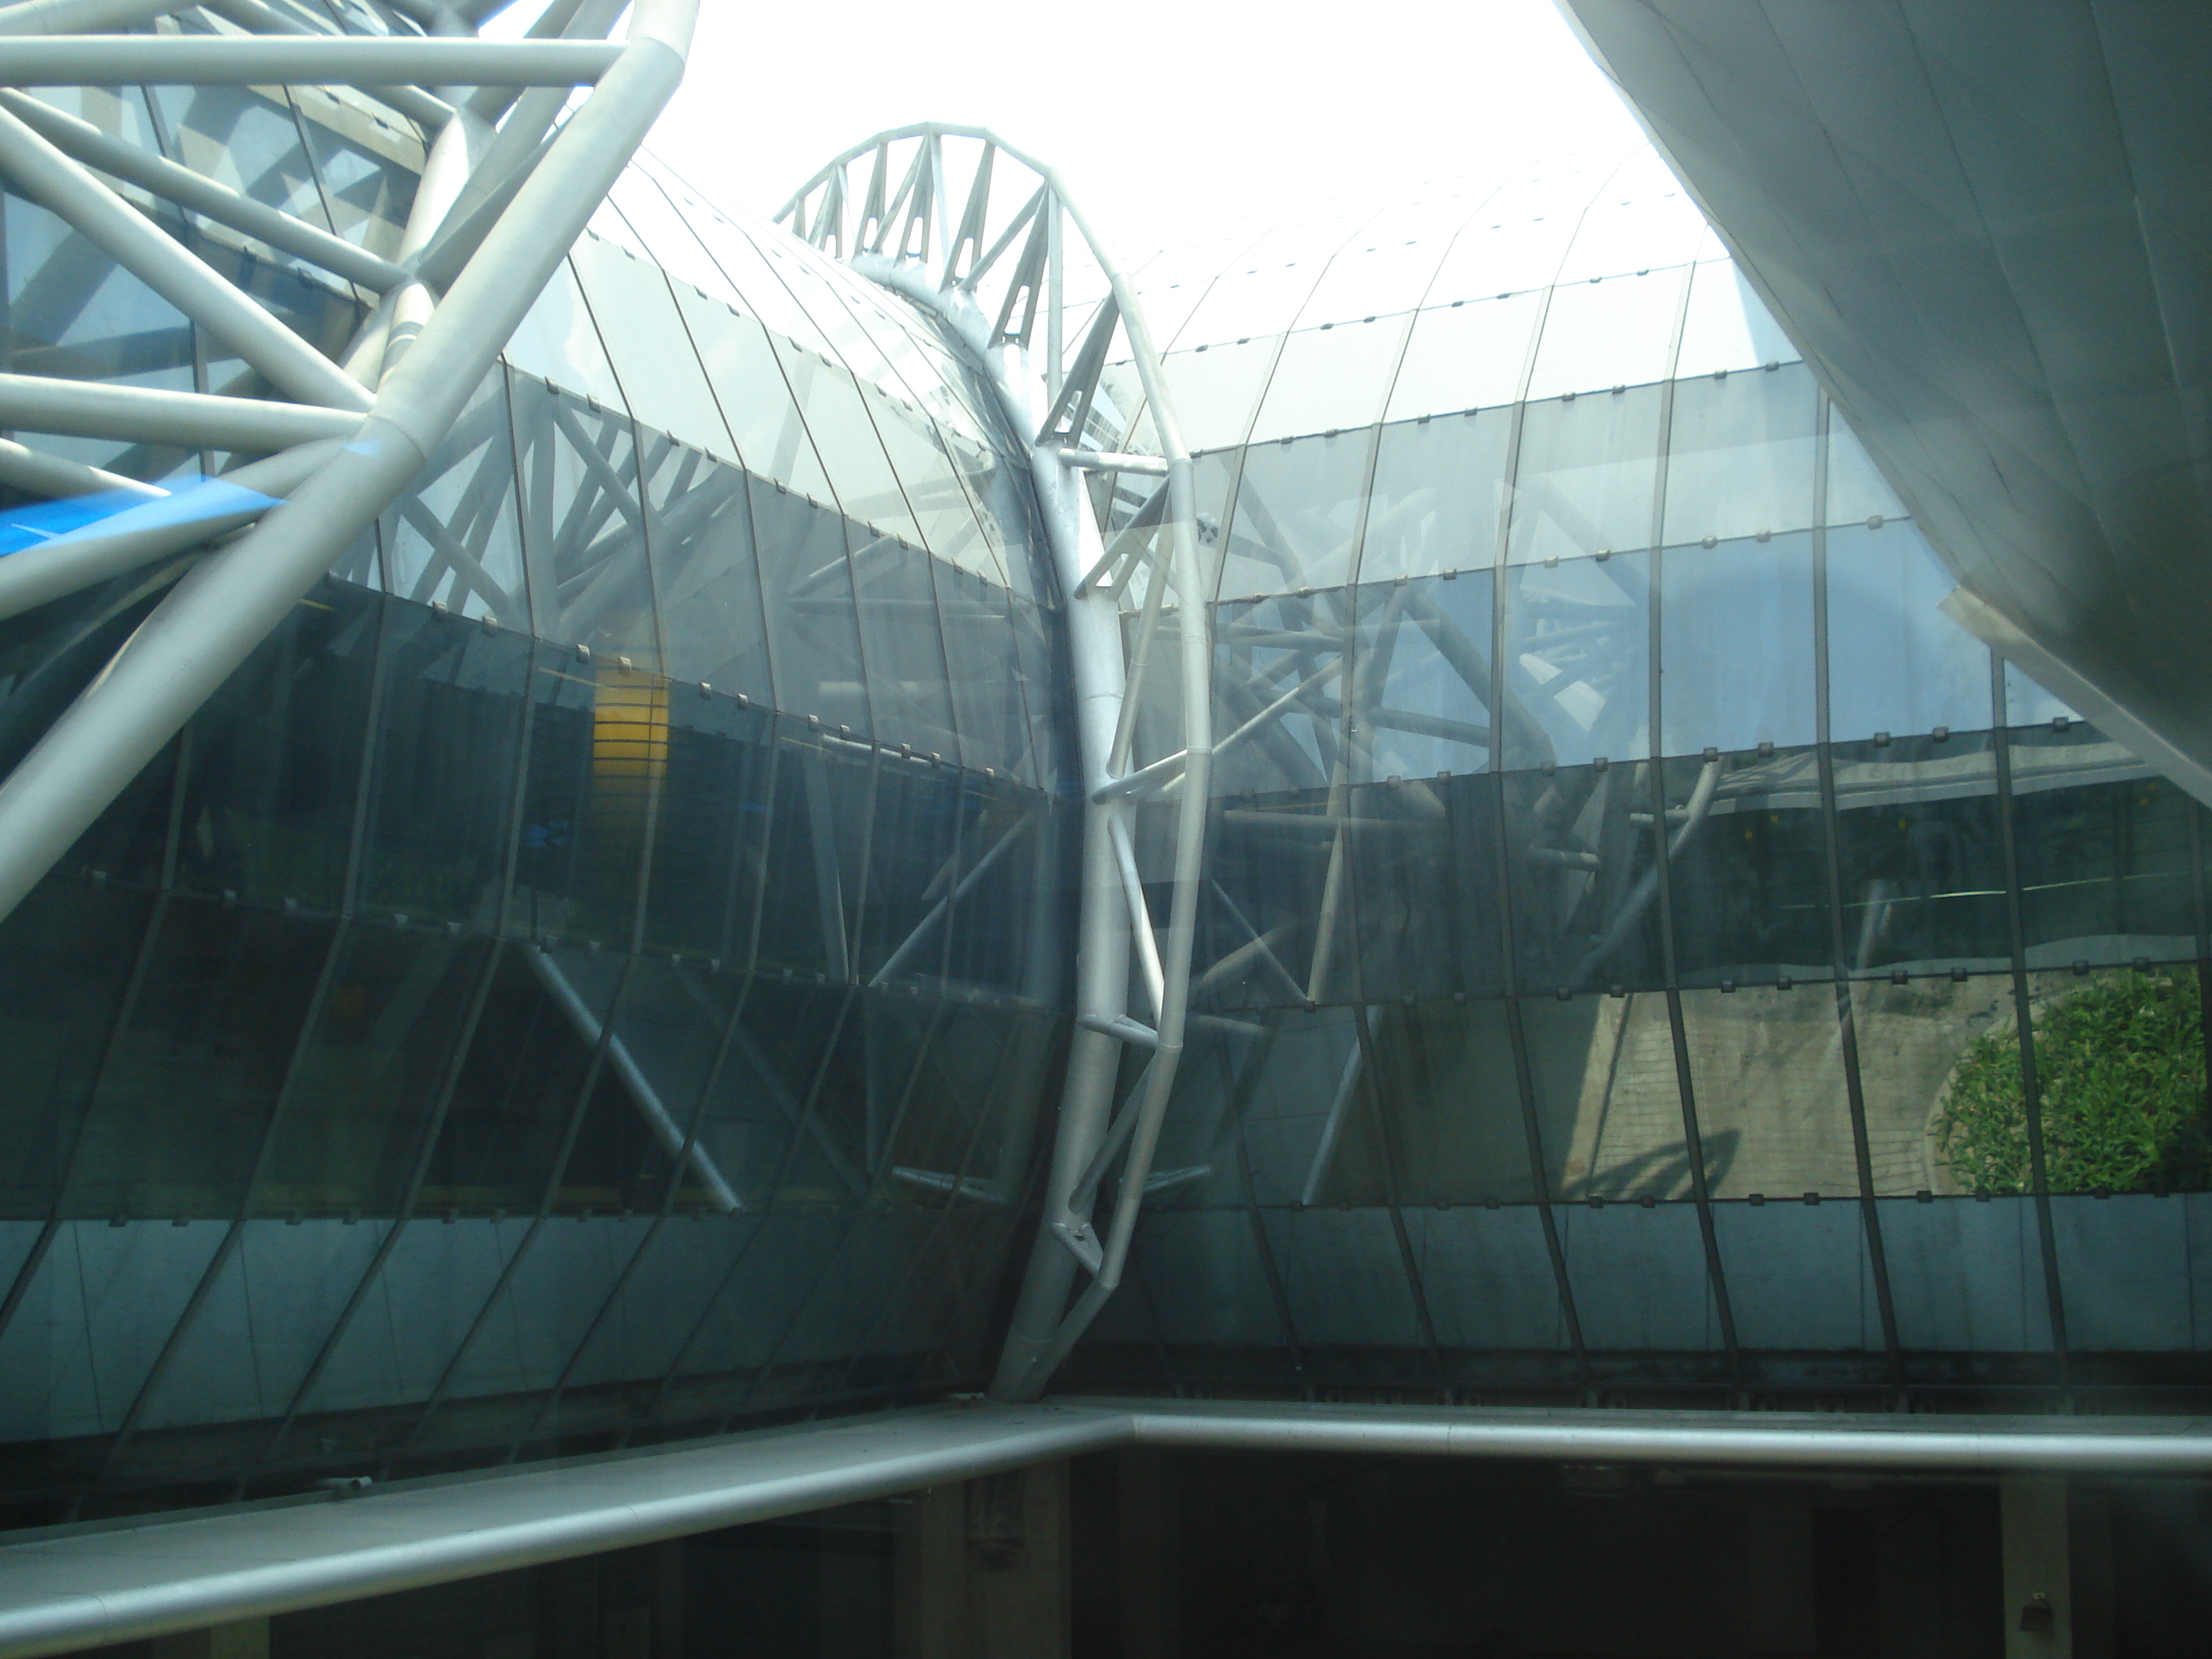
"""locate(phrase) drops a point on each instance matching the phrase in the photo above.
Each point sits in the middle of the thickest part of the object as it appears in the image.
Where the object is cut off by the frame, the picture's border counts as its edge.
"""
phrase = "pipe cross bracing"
(393, 401)
(985, 246)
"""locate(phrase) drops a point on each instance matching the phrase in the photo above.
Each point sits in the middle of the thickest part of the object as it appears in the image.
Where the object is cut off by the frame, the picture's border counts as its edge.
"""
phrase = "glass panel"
(1297, 510)
(1965, 1277)
(583, 528)
(820, 820)
(2104, 852)
(1345, 1281)
(1913, 1041)
(521, 1082)
(1750, 882)
(2120, 1062)
(1639, 1277)
(1466, 356)
(705, 573)
(367, 166)
(1895, 662)
(1798, 1276)
(903, 643)
(1644, 221)
(710, 835)
(748, 382)
(645, 337)
(984, 673)
(1619, 332)
(248, 141)
(866, 486)
(1421, 691)
(1505, 248)
(440, 820)
(1577, 651)
(1767, 1068)
(1489, 1277)
(1438, 488)
(558, 341)
(1207, 1284)
(183, 1103)
(2122, 1267)
(1215, 388)
(1922, 857)
(598, 761)
(1579, 854)
(368, 1079)
(1278, 662)
(1856, 489)
(1606, 1098)
(1585, 480)
(274, 782)
(2026, 703)
(1456, 1130)
(453, 539)
(1740, 455)
(1736, 646)
(1305, 1082)
(1330, 377)
(806, 588)
(933, 486)
(1728, 327)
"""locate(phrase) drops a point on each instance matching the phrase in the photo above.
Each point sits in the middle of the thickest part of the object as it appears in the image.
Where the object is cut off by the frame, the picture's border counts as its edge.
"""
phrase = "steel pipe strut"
(188, 189)
(170, 269)
(211, 622)
(298, 59)
(153, 415)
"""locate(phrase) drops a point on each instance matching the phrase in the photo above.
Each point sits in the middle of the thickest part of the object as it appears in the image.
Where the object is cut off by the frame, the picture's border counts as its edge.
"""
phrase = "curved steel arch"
(994, 263)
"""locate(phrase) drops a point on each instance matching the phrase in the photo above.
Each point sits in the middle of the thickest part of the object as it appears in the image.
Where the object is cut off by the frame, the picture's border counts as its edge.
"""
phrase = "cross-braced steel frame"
(508, 186)
(987, 238)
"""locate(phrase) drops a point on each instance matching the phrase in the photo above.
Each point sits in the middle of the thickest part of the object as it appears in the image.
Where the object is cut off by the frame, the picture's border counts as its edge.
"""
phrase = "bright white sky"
(1166, 117)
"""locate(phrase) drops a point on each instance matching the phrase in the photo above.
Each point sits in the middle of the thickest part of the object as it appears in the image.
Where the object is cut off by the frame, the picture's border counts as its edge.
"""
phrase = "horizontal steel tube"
(164, 525)
(167, 267)
(192, 420)
(412, 102)
(79, 16)
(188, 189)
(298, 59)
(26, 468)
(116, 1584)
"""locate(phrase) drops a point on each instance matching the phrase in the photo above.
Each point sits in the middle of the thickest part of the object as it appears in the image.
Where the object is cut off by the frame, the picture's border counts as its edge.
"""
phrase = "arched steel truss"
(979, 233)
(507, 187)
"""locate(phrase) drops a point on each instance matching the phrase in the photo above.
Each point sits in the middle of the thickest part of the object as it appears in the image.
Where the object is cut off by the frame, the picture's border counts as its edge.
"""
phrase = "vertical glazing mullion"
(1242, 1086)
(679, 1163)
(433, 1124)
(1693, 1140)
(551, 1195)
(1831, 831)
(2024, 1019)
(188, 1319)
(1386, 1148)
(2196, 820)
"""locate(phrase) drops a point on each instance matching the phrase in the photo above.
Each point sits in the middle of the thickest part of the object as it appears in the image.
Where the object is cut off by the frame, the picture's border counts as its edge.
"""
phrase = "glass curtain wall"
(591, 977)
(1646, 945)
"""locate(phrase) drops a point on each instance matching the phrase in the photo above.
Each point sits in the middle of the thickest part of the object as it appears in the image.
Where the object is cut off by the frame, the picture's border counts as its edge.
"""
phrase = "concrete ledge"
(88, 1586)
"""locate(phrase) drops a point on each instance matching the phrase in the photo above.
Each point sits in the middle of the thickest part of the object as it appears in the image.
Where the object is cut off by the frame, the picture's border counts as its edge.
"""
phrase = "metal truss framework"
(507, 187)
(980, 233)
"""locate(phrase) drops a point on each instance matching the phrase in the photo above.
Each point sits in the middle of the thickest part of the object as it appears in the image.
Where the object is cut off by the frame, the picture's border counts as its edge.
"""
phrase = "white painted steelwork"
(986, 246)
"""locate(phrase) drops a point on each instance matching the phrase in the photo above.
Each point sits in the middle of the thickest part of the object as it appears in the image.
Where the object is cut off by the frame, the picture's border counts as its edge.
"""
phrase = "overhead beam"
(151, 415)
(108, 1583)
(298, 59)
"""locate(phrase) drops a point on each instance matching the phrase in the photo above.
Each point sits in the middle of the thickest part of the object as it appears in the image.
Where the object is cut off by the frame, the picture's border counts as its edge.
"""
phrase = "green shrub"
(2120, 1063)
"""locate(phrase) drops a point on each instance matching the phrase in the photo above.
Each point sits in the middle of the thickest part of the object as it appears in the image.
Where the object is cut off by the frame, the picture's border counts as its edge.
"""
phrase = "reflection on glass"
(1748, 868)
(1767, 1068)
(1740, 455)
(1896, 663)
(1296, 514)
(1577, 643)
(1330, 377)
(1467, 355)
(1438, 488)
(1727, 327)
(1736, 646)
(1583, 483)
(1922, 857)
(1912, 1039)
(1616, 332)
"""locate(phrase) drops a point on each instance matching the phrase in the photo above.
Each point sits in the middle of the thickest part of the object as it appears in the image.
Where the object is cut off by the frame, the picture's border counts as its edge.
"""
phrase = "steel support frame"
(991, 261)
(368, 424)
